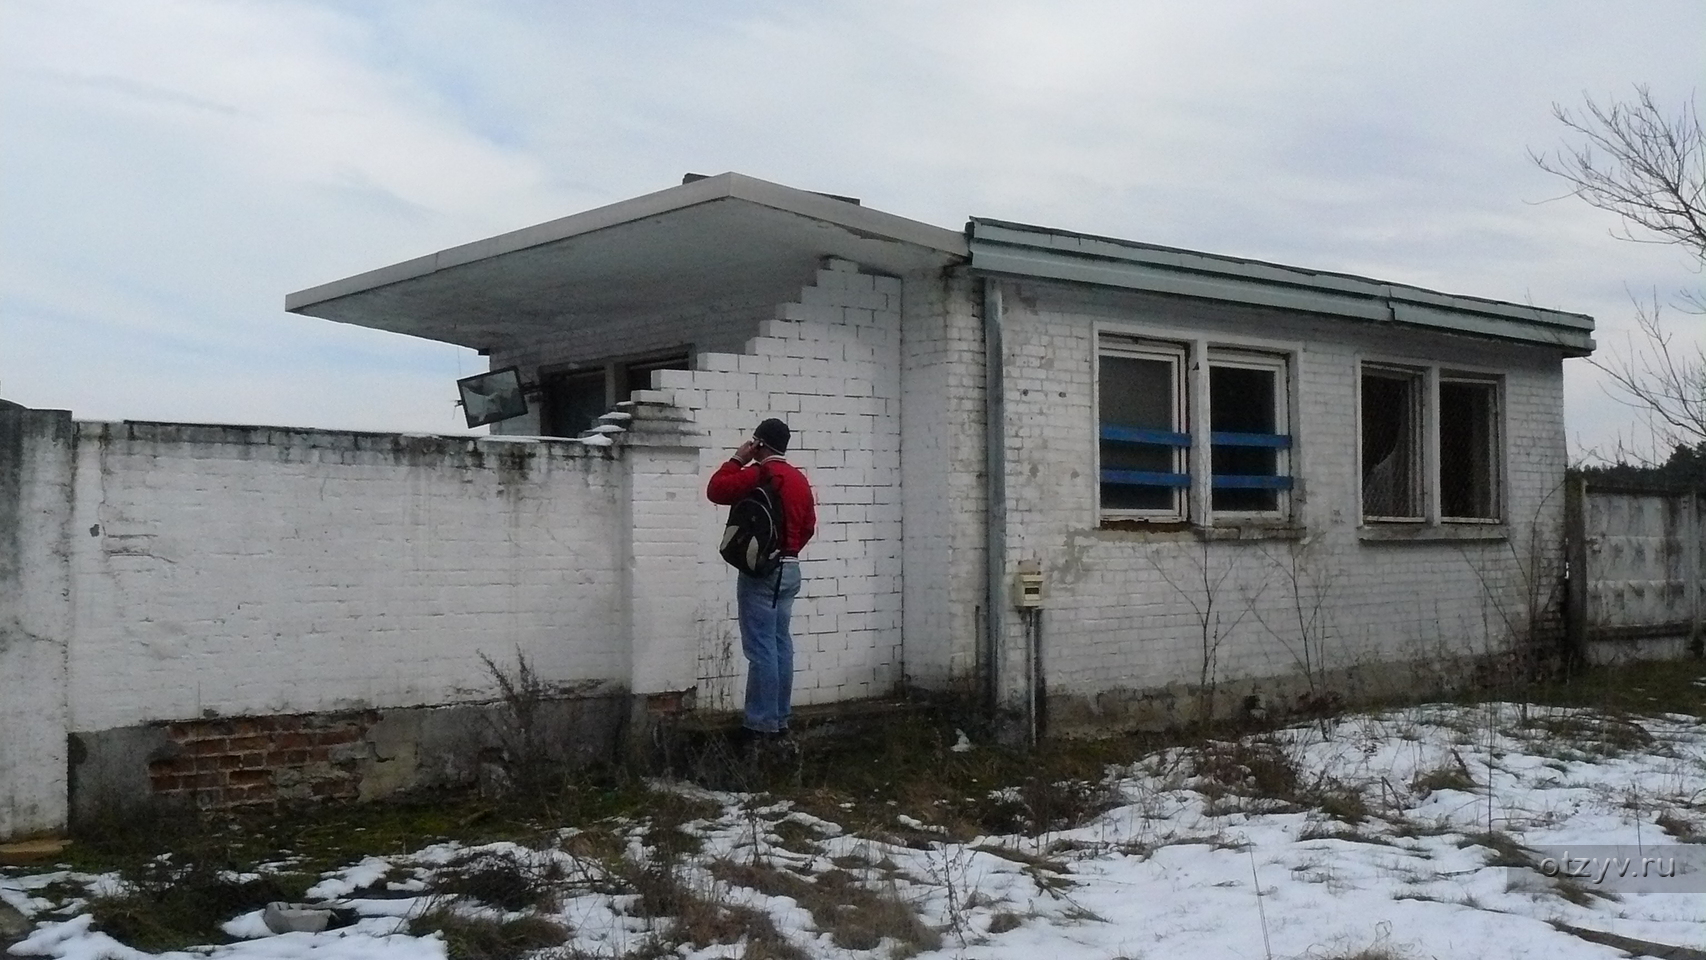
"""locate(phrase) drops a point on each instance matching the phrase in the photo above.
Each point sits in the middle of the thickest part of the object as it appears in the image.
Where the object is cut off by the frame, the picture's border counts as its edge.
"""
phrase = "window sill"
(1145, 532)
(1251, 530)
(1431, 533)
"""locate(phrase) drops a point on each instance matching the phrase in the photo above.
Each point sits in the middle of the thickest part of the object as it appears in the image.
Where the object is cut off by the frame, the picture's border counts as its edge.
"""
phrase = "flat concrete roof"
(1001, 247)
(737, 239)
(717, 239)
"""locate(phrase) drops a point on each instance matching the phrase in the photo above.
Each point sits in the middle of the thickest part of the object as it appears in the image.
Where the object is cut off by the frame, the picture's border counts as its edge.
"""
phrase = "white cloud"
(174, 167)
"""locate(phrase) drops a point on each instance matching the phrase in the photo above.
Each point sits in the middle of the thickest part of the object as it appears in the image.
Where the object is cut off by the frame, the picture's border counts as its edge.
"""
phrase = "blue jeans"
(765, 604)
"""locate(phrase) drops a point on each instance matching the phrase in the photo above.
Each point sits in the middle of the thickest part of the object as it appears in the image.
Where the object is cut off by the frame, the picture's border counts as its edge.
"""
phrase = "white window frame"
(1178, 356)
(1495, 438)
(1420, 456)
(1280, 365)
(1193, 356)
(1428, 380)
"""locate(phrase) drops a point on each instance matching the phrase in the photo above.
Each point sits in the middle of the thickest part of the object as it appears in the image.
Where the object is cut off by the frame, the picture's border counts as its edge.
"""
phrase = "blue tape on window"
(1276, 440)
(1165, 438)
(1145, 478)
(1233, 481)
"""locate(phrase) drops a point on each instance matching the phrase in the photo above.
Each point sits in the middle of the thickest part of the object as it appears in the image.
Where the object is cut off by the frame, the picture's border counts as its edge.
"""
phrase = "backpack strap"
(781, 510)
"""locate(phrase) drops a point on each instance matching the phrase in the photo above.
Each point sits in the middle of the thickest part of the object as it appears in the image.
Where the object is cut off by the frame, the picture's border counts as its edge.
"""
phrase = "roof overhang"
(717, 239)
(1015, 249)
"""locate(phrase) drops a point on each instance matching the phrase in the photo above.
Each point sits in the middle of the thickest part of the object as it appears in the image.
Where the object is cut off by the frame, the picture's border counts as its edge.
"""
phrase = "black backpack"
(752, 538)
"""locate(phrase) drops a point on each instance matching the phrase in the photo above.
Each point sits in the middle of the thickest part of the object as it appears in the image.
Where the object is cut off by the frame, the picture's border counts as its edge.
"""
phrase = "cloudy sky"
(170, 169)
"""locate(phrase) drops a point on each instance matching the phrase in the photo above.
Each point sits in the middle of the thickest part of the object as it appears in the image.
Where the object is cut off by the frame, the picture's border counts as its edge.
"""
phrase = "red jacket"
(733, 481)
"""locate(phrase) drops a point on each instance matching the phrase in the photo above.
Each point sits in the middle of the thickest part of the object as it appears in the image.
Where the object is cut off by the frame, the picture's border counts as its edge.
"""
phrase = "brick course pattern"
(942, 467)
(829, 364)
(828, 360)
(250, 571)
(1126, 610)
(263, 760)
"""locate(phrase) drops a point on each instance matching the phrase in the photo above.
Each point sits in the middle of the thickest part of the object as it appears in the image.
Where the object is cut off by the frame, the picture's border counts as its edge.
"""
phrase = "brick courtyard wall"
(243, 615)
(1119, 617)
(36, 450)
(250, 571)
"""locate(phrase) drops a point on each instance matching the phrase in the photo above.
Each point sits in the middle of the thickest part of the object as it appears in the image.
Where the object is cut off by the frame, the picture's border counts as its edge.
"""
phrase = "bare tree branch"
(1650, 170)
(1663, 379)
(1647, 168)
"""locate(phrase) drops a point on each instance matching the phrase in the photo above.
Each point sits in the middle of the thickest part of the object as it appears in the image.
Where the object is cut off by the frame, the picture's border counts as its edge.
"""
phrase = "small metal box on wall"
(1028, 589)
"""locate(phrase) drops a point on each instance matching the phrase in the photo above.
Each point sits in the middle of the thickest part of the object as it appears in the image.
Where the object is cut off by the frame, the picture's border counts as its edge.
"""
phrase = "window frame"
(1495, 440)
(1280, 366)
(1419, 380)
(1193, 414)
(617, 375)
(1431, 376)
(1177, 355)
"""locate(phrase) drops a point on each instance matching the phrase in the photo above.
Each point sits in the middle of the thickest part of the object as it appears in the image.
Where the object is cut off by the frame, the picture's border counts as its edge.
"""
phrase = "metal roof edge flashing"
(1019, 250)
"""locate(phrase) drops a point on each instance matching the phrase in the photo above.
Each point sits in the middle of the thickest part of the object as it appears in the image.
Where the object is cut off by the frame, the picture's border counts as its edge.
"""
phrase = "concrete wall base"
(1272, 698)
(248, 762)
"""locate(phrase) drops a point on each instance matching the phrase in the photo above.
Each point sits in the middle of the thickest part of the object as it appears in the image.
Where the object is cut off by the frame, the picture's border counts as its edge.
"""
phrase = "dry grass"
(469, 937)
(1503, 850)
(1680, 827)
(181, 901)
(1600, 735)
(1447, 776)
(499, 881)
(855, 916)
(690, 917)
(1334, 831)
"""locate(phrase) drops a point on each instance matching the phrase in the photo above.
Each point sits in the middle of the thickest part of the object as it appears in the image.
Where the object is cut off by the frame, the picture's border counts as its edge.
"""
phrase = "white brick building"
(1225, 473)
(1228, 479)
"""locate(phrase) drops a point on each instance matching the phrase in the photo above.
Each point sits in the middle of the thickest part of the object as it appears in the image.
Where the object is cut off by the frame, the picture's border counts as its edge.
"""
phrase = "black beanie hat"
(773, 433)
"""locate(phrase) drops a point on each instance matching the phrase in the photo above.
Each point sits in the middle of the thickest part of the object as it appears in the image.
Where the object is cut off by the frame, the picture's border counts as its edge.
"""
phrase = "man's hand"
(747, 451)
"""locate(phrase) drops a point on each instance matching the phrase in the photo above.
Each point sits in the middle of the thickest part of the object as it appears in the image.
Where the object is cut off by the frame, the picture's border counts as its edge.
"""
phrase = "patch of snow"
(368, 872)
(1191, 863)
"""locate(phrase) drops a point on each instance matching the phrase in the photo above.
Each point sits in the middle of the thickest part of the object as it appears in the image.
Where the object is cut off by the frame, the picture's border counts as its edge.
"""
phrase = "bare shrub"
(500, 881)
(519, 726)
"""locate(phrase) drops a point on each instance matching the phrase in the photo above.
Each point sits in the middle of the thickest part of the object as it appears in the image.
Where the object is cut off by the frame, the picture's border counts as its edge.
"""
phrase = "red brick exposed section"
(244, 761)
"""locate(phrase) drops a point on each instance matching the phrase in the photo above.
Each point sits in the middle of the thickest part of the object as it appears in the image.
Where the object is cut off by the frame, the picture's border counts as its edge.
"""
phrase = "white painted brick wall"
(1118, 615)
(718, 328)
(942, 459)
(254, 571)
(664, 498)
(829, 364)
(35, 618)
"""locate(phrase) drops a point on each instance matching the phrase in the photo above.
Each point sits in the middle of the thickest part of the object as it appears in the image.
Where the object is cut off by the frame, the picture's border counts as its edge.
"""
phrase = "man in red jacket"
(765, 603)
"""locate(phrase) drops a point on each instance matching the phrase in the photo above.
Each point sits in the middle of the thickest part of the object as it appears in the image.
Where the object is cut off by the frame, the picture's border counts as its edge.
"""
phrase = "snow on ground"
(1407, 834)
